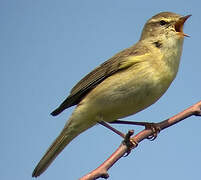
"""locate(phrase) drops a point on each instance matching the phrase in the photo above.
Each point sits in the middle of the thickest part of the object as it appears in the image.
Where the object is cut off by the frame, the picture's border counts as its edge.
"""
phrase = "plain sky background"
(47, 46)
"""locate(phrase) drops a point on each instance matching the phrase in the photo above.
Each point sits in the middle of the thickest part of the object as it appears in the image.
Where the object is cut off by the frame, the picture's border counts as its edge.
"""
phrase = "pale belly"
(123, 95)
(125, 103)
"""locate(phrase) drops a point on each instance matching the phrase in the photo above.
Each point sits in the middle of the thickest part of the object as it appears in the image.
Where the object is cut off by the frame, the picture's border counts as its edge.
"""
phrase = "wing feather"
(118, 62)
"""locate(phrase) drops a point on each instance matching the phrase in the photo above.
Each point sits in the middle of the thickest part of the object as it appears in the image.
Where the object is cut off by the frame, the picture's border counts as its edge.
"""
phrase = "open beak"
(180, 24)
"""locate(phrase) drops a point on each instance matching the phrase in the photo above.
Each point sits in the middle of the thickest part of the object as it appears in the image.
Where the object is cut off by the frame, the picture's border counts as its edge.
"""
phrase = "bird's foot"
(155, 129)
(153, 126)
(129, 142)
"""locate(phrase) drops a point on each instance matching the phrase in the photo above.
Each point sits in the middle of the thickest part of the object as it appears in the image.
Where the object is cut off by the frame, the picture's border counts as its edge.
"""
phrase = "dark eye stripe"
(162, 22)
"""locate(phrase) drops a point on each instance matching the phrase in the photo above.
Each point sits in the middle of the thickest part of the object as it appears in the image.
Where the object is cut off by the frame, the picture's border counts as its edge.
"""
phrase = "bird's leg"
(103, 123)
(127, 141)
(153, 126)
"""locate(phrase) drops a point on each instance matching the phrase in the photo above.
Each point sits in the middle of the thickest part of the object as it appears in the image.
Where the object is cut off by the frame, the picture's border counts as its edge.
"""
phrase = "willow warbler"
(127, 83)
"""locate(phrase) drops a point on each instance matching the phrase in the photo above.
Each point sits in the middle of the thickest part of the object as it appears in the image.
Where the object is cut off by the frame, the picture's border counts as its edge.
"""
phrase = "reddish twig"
(101, 171)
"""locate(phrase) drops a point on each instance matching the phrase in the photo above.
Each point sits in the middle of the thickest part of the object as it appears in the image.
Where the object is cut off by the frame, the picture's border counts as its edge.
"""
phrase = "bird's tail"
(66, 136)
(57, 146)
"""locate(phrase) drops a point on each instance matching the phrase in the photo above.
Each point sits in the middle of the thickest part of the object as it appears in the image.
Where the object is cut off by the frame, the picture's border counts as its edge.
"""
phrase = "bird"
(125, 84)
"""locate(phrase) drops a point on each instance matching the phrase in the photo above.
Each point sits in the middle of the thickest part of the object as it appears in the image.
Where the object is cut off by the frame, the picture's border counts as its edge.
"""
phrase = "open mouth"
(180, 24)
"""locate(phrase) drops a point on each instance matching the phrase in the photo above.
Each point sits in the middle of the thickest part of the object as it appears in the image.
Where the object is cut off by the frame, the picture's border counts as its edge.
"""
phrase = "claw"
(129, 142)
(155, 129)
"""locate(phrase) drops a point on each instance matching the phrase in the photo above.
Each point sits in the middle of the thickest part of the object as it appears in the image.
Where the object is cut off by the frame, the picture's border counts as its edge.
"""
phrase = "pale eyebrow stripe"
(156, 20)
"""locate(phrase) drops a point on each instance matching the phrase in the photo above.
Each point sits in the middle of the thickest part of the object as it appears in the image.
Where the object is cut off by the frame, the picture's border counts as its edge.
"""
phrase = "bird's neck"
(171, 50)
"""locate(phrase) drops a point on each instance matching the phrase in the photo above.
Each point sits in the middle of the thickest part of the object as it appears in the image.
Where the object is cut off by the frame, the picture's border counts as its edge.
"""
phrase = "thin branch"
(102, 170)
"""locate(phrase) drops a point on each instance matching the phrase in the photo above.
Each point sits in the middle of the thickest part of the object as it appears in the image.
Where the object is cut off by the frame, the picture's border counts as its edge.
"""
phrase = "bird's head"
(166, 24)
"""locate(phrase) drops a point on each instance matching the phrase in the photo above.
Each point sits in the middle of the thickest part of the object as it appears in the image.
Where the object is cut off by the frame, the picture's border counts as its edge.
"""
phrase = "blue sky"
(48, 46)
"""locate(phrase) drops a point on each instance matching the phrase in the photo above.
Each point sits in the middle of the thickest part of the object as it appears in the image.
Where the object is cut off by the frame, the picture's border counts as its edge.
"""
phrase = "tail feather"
(78, 122)
(57, 146)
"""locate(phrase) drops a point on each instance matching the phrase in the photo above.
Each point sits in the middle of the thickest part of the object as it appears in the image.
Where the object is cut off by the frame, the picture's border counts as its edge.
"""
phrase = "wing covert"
(117, 62)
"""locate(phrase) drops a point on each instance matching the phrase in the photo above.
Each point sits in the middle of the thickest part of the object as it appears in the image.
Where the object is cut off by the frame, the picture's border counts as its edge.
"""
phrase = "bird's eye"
(162, 22)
